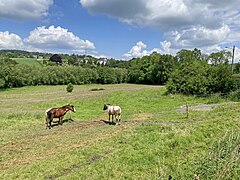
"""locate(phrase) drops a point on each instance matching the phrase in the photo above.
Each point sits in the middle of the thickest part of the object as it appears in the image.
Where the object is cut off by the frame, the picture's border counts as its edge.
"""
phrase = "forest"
(188, 72)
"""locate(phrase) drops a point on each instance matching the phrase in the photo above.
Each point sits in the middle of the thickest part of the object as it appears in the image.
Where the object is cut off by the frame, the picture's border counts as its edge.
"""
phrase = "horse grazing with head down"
(113, 111)
(57, 113)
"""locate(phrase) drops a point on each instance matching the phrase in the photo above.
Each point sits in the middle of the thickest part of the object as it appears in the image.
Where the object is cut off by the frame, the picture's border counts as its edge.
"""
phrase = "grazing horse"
(113, 111)
(57, 113)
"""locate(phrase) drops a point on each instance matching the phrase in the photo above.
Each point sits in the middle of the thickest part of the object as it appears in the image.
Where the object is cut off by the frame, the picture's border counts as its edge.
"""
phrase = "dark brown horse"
(57, 113)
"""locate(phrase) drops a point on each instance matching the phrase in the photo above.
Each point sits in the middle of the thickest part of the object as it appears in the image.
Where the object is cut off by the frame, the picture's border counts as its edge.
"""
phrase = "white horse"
(113, 111)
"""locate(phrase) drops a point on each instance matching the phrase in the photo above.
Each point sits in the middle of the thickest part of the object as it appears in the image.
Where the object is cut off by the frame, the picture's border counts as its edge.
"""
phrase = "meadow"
(29, 61)
(154, 141)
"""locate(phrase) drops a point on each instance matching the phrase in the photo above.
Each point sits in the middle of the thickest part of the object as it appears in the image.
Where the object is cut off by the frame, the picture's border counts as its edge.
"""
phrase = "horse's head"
(72, 108)
(105, 106)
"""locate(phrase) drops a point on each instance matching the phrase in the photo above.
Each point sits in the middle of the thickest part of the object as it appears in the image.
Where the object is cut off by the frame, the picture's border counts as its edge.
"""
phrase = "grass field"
(154, 141)
(28, 61)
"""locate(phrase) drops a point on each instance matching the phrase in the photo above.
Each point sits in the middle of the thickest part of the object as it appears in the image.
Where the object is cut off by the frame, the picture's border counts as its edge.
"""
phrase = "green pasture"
(28, 61)
(154, 141)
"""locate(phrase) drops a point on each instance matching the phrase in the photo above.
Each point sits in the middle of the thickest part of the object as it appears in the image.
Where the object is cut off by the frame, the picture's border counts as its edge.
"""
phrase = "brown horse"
(57, 113)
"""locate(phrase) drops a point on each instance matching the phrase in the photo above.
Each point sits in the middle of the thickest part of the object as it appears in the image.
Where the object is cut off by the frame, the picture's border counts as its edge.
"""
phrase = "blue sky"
(121, 29)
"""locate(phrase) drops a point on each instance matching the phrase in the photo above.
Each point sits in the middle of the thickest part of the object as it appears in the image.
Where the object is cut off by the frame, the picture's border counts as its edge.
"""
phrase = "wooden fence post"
(187, 109)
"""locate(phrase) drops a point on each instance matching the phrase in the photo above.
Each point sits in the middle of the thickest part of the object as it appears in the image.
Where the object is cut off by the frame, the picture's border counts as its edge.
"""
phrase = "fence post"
(187, 109)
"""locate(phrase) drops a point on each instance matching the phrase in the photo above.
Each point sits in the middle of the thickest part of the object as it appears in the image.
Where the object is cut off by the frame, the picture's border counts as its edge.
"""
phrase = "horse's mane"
(65, 106)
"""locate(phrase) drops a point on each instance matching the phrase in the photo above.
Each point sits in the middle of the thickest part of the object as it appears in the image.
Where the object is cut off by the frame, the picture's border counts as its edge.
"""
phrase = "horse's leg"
(50, 124)
(119, 119)
(109, 117)
(47, 121)
(60, 120)
(116, 119)
(50, 121)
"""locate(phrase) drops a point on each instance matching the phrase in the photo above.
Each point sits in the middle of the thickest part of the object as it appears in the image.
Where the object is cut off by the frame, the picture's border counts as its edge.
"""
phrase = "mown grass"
(154, 141)
(28, 61)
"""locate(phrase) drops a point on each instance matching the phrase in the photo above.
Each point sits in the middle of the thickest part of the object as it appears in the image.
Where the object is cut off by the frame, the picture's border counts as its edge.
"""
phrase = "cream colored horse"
(113, 111)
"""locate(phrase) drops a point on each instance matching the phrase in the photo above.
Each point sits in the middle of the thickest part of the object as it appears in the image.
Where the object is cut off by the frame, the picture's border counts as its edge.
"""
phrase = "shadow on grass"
(108, 122)
(55, 123)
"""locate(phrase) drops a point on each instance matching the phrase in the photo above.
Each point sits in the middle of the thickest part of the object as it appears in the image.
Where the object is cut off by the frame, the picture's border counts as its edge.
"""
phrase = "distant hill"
(22, 56)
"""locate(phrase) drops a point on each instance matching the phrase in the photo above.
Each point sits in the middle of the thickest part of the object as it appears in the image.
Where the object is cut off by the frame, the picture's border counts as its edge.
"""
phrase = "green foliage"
(189, 72)
(18, 75)
(220, 79)
(111, 75)
(69, 87)
(235, 95)
(188, 55)
(237, 68)
(153, 69)
(194, 76)
(189, 78)
(219, 58)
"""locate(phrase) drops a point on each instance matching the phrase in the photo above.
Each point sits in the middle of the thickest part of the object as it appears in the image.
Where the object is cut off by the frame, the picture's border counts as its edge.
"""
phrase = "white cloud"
(198, 36)
(57, 39)
(10, 41)
(137, 50)
(24, 9)
(166, 14)
(186, 24)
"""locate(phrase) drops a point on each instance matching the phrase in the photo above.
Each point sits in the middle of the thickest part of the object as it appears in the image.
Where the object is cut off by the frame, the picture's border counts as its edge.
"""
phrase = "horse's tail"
(47, 118)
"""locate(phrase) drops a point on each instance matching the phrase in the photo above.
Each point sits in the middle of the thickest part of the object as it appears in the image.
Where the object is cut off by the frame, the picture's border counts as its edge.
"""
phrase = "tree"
(56, 58)
(160, 68)
(69, 87)
(197, 77)
(218, 58)
(189, 78)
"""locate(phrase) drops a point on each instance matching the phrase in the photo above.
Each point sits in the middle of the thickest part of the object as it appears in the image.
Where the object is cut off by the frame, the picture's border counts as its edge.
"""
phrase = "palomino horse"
(113, 111)
(57, 113)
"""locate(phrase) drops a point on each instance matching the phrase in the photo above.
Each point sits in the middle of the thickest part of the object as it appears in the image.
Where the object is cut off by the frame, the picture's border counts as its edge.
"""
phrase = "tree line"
(18, 75)
(188, 72)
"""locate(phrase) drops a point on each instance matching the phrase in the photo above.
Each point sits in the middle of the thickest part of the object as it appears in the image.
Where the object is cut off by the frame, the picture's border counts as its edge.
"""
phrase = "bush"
(189, 78)
(69, 87)
(235, 95)
(200, 78)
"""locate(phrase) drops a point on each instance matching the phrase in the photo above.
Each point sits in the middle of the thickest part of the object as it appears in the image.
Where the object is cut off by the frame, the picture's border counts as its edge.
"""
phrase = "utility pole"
(233, 51)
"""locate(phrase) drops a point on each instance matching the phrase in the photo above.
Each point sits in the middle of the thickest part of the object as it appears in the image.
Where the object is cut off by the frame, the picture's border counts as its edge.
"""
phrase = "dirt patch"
(203, 107)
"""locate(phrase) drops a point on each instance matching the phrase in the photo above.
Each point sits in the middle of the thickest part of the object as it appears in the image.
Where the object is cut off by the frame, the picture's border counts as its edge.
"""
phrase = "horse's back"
(114, 110)
(48, 110)
(117, 109)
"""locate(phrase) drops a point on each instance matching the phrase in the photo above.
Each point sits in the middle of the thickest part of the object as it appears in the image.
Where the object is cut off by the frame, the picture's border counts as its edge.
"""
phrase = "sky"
(120, 29)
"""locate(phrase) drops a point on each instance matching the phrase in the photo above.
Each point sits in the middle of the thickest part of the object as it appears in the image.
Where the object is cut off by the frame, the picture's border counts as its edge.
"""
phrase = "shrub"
(235, 95)
(69, 87)
(189, 78)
